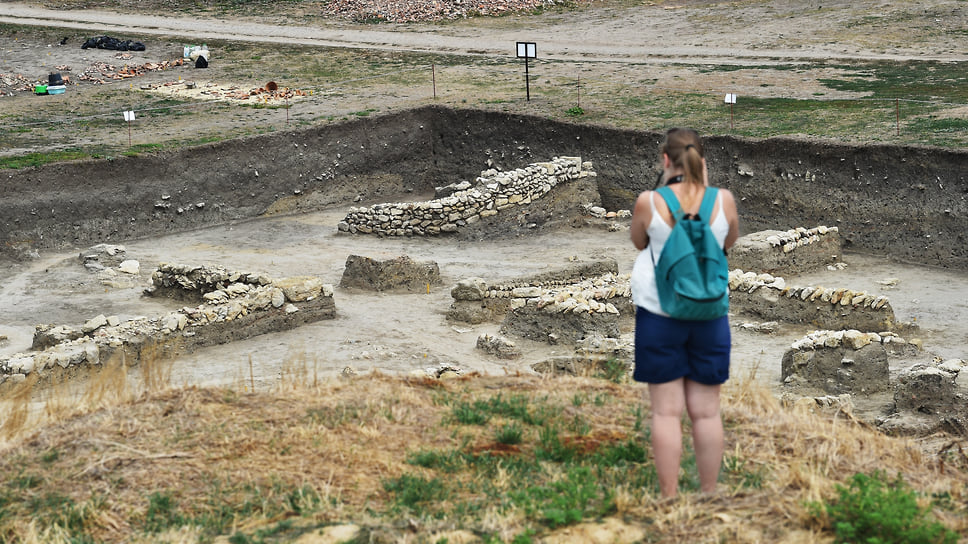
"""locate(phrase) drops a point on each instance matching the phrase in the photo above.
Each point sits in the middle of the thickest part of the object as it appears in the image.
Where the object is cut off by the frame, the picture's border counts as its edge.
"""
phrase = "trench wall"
(910, 203)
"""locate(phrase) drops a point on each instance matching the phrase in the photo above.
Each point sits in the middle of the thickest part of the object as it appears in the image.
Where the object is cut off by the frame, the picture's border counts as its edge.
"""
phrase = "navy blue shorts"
(667, 349)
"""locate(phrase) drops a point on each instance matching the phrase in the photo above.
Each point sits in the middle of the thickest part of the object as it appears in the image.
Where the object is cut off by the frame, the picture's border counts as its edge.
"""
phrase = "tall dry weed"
(109, 387)
(17, 408)
(298, 371)
(155, 369)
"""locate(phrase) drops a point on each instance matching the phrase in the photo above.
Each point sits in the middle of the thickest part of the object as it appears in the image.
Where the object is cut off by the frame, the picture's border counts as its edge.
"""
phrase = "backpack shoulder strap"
(708, 201)
(671, 201)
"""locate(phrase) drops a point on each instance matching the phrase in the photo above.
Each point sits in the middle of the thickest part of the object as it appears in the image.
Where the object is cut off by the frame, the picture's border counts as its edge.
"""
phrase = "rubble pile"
(236, 305)
(594, 355)
(493, 192)
(403, 11)
(930, 396)
(99, 72)
(198, 282)
(218, 91)
(12, 83)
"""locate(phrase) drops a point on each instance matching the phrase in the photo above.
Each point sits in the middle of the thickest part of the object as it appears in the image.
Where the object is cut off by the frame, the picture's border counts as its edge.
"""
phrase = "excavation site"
(440, 242)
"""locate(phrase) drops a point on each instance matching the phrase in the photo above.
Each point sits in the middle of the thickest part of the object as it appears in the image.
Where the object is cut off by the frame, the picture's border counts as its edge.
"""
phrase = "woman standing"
(684, 362)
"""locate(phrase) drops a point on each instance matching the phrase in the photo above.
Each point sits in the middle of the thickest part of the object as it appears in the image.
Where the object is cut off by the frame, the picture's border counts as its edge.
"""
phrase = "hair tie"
(690, 145)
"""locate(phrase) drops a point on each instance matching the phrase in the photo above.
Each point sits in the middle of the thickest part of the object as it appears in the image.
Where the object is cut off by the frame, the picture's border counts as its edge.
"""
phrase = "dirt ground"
(657, 45)
(402, 333)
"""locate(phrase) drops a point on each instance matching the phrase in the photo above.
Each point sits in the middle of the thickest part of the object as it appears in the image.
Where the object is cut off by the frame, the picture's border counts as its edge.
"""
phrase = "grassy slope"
(499, 459)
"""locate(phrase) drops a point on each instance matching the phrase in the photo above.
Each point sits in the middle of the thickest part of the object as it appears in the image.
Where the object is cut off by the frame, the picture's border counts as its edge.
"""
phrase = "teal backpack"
(692, 273)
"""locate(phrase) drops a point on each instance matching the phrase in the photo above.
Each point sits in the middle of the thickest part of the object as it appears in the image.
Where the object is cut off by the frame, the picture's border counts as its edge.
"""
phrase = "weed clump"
(874, 510)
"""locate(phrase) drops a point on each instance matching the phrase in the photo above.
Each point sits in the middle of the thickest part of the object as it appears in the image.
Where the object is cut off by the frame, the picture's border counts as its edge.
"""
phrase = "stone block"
(838, 370)
(398, 274)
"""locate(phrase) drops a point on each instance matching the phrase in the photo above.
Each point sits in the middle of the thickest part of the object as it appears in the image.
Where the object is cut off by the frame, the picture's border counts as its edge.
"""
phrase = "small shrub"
(470, 414)
(304, 500)
(566, 501)
(552, 448)
(575, 111)
(621, 454)
(50, 456)
(744, 475)
(509, 434)
(614, 370)
(872, 510)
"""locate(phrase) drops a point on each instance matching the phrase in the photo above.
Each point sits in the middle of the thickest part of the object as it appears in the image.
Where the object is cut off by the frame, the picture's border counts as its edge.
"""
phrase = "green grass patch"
(530, 455)
(38, 159)
(941, 81)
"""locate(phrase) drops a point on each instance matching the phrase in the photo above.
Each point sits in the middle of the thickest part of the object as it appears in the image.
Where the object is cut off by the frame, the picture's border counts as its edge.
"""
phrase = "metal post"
(897, 111)
(433, 75)
(527, 79)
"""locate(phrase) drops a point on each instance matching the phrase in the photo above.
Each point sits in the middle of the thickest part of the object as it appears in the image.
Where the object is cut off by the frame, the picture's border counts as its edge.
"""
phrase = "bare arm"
(641, 217)
(732, 217)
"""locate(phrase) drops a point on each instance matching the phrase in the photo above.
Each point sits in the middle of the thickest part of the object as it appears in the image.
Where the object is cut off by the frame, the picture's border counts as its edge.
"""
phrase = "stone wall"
(237, 305)
(786, 252)
(768, 297)
(476, 302)
(494, 191)
(759, 295)
(566, 313)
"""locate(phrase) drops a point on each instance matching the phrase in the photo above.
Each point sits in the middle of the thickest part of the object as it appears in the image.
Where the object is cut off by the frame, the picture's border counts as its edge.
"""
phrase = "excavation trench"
(271, 204)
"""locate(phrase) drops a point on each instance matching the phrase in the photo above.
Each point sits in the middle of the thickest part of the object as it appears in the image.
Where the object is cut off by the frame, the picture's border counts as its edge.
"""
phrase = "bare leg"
(702, 402)
(668, 404)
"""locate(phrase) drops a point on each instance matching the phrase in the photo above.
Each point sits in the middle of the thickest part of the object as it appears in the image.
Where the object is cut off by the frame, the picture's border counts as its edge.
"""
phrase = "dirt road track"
(640, 34)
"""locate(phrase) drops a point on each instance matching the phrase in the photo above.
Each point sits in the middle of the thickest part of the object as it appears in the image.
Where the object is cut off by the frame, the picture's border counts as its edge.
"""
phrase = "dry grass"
(227, 457)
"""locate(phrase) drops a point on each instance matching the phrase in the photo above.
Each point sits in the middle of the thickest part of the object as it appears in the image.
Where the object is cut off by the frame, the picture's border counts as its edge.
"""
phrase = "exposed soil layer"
(909, 204)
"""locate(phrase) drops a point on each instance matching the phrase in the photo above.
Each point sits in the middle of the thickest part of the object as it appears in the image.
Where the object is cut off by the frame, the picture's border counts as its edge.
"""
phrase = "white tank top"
(644, 291)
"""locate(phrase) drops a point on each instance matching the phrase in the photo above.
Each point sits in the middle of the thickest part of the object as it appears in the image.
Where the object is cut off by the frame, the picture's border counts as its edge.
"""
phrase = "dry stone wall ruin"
(234, 305)
(493, 192)
(546, 310)
(772, 251)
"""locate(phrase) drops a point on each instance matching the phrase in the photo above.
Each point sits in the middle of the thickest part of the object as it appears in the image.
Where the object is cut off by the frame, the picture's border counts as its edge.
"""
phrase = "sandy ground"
(401, 333)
